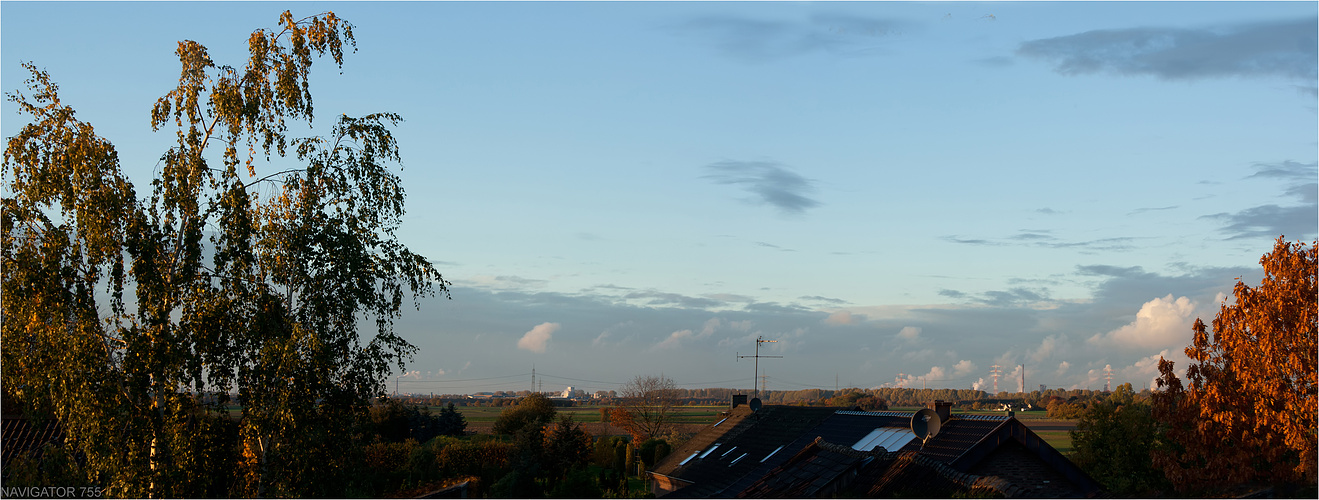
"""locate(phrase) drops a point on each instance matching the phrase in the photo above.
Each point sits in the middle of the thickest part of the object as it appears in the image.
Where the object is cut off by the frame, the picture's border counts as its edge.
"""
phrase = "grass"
(1059, 440)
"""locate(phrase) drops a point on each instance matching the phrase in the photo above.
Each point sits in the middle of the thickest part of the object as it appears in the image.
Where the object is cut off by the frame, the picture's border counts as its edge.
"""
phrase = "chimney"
(943, 408)
(739, 399)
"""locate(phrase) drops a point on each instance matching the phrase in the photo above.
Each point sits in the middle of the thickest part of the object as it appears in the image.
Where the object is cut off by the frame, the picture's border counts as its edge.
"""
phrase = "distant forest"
(892, 396)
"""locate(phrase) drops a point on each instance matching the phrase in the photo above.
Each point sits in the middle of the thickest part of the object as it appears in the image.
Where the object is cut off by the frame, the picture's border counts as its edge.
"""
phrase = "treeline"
(893, 396)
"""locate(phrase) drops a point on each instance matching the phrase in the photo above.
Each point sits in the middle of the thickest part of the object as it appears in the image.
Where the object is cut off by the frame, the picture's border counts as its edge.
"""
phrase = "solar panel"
(889, 438)
(776, 450)
(730, 464)
(688, 459)
(711, 450)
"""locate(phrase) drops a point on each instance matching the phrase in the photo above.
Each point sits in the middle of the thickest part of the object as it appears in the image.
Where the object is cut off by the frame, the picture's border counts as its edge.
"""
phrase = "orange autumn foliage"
(1247, 413)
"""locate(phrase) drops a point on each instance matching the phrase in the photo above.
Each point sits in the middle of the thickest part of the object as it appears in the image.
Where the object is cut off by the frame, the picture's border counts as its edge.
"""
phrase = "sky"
(900, 194)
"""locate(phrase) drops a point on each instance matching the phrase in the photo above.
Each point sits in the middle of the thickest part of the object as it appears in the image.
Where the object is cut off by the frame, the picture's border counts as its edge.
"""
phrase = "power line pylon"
(996, 371)
(1108, 378)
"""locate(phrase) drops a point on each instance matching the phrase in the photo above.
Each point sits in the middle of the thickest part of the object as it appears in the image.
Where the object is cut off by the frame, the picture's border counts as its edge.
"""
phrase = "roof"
(810, 471)
(19, 435)
(717, 456)
(812, 449)
(825, 469)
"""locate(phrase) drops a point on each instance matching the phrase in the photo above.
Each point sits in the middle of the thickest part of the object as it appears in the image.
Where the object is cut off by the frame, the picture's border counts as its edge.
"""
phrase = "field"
(692, 418)
(689, 418)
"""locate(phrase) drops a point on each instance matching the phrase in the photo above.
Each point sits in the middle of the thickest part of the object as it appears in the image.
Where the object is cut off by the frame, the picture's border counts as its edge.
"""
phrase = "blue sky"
(894, 191)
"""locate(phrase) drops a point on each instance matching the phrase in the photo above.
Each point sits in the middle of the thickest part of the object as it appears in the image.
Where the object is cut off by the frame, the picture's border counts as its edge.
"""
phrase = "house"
(790, 451)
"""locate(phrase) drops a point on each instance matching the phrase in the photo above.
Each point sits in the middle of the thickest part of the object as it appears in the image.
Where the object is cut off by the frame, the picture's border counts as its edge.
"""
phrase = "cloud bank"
(1285, 48)
(1129, 307)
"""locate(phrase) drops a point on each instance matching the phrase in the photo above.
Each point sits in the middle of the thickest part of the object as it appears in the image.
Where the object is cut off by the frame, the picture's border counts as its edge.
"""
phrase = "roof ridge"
(966, 479)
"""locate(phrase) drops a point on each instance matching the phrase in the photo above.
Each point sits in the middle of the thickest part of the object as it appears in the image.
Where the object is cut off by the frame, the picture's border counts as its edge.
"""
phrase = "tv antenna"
(757, 356)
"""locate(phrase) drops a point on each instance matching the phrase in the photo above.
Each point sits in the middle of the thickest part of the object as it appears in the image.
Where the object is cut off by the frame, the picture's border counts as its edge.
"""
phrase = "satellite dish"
(925, 424)
(755, 404)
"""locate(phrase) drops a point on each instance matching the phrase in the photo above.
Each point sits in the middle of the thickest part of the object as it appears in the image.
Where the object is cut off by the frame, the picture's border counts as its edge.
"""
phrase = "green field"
(480, 418)
(1059, 440)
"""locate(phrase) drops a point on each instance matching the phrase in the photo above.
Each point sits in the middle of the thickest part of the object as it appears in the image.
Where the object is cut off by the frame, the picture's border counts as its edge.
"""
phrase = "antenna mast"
(759, 340)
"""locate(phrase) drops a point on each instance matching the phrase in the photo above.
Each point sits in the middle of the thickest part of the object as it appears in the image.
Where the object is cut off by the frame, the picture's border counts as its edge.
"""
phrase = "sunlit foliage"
(132, 320)
(1247, 413)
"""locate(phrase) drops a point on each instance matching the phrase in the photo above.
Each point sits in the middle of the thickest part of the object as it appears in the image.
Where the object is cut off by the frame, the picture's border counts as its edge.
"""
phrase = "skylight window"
(889, 438)
(776, 450)
(730, 450)
(735, 460)
(709, 451)
(688, 459)
(716, 424)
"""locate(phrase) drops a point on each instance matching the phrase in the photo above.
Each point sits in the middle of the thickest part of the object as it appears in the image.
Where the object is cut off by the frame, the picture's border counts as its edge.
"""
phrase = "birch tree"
(132, 320)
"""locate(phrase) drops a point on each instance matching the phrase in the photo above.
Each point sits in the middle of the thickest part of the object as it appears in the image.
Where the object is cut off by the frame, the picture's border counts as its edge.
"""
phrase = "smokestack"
(1023, 379)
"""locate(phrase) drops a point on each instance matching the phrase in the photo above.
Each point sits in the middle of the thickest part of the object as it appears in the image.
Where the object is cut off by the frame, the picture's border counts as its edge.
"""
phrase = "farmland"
(692, 418)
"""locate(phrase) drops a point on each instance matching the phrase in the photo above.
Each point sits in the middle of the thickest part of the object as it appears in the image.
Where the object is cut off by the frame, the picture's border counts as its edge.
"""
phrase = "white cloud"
(674, 340)
(741, 326)
(963, 367)
(936, 374)
(1162, 322)
(1015, 377)
(1062, 367)
(1145, 371)
(843, 318)
(616, 334)
(909, 333)
(537, 339)
(1048, 347)
(710, 326)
